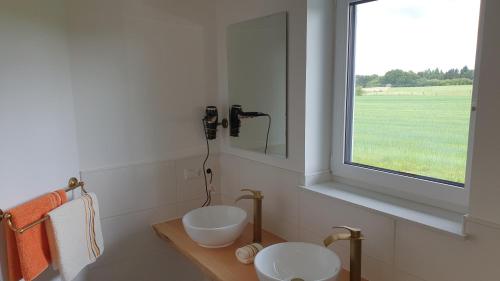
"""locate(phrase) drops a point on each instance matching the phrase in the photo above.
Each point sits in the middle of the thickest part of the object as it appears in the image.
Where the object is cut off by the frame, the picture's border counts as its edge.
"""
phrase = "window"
(403, 96)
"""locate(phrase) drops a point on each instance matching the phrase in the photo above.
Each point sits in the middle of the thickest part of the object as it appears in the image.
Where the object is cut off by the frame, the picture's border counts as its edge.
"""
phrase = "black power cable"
(268, 129)
(207, 192)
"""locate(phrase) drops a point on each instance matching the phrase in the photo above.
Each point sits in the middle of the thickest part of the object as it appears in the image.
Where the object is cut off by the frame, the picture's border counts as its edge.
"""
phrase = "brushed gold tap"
(257, 197)
(355, 237)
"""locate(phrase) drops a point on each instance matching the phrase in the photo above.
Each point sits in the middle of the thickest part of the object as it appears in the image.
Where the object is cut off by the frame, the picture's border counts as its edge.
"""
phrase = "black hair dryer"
(211, 122)
(234, 120)
(236, 113)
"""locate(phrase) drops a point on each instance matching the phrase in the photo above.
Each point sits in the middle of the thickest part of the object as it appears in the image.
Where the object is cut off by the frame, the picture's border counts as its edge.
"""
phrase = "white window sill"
(399, 209)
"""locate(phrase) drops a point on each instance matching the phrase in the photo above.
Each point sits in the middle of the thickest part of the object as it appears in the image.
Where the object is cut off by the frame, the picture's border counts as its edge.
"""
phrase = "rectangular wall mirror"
(257, 82)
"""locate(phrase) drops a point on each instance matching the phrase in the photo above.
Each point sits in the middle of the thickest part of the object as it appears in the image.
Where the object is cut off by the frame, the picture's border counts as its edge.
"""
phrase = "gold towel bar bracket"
(73, 184)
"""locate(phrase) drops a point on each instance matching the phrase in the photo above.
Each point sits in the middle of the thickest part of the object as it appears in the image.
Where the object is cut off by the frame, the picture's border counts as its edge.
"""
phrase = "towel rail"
(73, 184)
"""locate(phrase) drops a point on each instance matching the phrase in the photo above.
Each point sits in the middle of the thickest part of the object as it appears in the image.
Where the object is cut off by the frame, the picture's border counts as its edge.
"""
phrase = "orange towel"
(28, 254)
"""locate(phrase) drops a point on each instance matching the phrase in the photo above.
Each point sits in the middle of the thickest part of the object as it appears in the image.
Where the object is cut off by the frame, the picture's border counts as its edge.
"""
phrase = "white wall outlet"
(190, 174)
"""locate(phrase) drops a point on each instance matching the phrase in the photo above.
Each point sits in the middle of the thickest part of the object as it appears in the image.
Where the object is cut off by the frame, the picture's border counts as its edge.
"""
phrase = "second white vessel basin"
(296, 261)
(215, 226)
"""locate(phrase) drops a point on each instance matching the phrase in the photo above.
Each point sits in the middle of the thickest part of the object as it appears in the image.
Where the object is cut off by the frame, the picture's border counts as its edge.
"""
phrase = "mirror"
(257, 81)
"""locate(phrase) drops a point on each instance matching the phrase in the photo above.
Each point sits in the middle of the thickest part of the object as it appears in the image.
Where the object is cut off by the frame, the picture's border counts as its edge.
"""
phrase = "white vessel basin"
(215, 226)
(296, 261)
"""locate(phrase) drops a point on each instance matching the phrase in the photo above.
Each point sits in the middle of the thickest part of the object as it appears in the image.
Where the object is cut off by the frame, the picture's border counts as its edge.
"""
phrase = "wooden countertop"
(219, 264)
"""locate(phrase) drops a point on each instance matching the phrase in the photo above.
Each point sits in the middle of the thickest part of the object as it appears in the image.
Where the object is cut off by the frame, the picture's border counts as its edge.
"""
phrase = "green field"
(418, 130)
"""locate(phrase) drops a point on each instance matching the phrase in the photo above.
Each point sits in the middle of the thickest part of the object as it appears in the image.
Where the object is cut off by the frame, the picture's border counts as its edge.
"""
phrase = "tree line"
(429, 77)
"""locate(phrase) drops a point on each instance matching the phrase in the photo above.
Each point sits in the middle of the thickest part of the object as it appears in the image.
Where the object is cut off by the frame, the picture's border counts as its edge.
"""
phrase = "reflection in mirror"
(257, 82)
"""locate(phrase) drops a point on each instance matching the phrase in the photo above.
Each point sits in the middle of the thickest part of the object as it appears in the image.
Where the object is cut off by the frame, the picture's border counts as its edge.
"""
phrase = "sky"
(416, 35)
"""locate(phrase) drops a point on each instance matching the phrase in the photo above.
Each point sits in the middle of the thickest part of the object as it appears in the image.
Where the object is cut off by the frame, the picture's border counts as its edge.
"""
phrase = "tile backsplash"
(393, 250)
(131, 199)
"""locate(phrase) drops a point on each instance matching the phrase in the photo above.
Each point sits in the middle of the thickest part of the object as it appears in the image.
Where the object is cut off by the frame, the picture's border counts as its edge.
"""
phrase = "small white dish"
(215, 226)
(297, 261)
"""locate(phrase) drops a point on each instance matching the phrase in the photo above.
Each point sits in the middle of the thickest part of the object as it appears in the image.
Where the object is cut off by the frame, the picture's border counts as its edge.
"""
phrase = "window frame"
(420, 189)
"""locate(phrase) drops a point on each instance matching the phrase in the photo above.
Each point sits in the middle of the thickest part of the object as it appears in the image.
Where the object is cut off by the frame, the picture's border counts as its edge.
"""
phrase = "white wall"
(38, 142)
(319, 87)
(142, 73)
(37, 125)
(485, 184)
(393, 250)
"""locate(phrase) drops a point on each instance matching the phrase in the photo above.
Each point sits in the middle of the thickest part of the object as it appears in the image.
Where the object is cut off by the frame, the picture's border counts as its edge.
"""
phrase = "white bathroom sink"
(215, 226)
(296, 261)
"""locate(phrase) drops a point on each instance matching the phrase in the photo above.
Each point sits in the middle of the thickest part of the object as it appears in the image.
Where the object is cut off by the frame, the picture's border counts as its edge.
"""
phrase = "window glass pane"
(413, 63)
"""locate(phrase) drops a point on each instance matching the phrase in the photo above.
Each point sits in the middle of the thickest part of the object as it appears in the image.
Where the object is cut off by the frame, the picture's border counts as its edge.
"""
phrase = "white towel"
(75, 236)
(247, 253)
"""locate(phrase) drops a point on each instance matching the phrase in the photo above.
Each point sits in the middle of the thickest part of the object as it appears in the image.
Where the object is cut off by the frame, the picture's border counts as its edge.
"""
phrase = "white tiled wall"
(393, 250)
(436, 256)
(403, 276)
(131, 199)
(278, 186)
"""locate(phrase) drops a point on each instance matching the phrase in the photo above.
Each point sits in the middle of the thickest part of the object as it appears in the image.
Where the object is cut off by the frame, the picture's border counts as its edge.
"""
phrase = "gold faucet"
(355, 237)
(257, 197)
